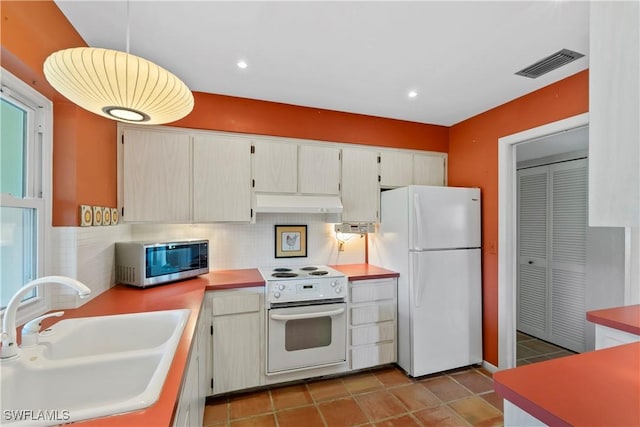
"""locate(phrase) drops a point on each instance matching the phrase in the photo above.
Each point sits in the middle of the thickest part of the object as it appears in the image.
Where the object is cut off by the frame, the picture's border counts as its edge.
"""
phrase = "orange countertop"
(364, 271)
(596, 388)
(231, 279)
(625, 318)
(186, 294)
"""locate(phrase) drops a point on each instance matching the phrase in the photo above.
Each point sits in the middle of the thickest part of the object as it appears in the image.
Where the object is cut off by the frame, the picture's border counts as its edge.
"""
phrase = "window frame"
(38, 180)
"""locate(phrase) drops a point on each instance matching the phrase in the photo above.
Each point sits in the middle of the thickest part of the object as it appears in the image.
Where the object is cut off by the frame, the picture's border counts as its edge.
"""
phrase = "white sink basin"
(111, 334)
(68, 379)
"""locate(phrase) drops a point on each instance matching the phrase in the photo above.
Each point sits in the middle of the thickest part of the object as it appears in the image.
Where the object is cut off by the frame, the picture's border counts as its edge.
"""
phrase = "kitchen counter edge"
(625, 318)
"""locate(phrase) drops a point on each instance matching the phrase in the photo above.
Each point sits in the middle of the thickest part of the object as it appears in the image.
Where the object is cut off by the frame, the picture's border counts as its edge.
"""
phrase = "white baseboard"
(489, 367)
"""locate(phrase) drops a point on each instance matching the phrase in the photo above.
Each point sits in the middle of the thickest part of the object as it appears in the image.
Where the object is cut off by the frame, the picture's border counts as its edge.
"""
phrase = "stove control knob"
(276, 294)
(338, 290)
(334, 283)
(281, 287)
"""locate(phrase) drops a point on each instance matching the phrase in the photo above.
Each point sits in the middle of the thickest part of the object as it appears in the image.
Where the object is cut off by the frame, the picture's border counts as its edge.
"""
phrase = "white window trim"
(15, 89)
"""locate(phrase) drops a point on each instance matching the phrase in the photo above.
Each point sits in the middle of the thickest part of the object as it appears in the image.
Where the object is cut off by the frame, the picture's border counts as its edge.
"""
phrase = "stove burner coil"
(281, 269)
(318, 273)
(310, 268)
(284, 275)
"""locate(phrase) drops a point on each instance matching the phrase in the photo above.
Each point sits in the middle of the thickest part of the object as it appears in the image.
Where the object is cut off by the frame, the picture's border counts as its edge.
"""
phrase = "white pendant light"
(118, 85)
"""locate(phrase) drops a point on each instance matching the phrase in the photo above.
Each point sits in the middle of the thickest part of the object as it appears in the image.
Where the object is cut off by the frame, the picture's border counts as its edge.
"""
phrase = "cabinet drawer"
(373, 355)
(374, 291)
(234, 302)
(373, 334)
(373, 313)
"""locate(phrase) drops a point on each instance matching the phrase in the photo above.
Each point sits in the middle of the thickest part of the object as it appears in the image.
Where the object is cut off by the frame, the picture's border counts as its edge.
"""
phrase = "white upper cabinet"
(174, 175)
(156, 176)
(319, 169)
(360, 187)
(221, 179)
(428, 169)
(288, 167)
(275, 167)
(396, 169)
(401, 168)
(177, 176)
(614, 109)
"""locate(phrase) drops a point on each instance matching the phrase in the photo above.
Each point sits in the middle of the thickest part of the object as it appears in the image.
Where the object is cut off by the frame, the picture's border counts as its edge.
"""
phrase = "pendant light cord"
(128, 24)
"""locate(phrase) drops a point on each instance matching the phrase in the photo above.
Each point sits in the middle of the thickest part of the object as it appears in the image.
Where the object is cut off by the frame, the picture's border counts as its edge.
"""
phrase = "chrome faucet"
(9, 333)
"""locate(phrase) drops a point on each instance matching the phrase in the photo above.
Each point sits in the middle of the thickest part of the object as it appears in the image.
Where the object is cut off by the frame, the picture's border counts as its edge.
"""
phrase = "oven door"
(306, 337)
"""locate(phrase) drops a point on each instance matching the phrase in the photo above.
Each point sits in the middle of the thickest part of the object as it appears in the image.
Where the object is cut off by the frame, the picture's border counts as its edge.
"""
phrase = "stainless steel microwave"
(145, 264)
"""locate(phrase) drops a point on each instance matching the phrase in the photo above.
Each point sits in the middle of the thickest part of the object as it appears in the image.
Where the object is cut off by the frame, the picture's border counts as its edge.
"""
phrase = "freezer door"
(444, 217)
(446, 311)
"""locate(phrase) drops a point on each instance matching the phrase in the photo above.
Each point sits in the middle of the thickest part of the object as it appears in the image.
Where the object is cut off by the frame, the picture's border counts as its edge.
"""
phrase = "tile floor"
(382, 397)
(531, 350)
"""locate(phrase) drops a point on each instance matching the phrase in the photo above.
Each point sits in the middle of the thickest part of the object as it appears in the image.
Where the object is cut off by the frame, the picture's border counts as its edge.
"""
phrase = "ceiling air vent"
(550, 63)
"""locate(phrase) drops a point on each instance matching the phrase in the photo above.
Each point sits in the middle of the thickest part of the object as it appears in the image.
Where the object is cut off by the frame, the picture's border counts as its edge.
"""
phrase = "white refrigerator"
(431, 236)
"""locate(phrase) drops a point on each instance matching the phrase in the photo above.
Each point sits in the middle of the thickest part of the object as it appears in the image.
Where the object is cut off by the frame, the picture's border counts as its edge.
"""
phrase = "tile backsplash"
(87, 253)
(253, 245)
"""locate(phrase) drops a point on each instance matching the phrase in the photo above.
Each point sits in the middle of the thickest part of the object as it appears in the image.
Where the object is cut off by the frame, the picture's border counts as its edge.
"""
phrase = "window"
(25, 141)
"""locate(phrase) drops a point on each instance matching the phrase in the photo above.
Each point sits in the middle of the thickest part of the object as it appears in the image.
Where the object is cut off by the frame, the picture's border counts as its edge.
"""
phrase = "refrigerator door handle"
(417, 284)
(418, 212)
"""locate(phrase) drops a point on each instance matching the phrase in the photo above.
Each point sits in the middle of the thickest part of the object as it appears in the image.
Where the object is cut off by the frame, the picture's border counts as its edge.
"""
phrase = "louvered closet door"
(532, 310)
(568, 253)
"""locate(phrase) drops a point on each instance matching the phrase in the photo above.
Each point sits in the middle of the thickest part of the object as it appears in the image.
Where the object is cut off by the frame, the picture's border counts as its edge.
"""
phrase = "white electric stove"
(303, 283)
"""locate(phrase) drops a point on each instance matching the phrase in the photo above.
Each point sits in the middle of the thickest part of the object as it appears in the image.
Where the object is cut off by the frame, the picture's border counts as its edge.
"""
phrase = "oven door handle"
(306, 315)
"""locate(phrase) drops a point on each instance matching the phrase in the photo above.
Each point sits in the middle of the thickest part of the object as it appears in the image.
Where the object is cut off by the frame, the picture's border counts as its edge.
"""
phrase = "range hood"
(279, 203)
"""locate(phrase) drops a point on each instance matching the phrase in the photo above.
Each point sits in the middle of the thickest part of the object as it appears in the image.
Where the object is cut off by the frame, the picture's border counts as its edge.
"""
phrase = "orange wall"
(227, 113)
(473, 162)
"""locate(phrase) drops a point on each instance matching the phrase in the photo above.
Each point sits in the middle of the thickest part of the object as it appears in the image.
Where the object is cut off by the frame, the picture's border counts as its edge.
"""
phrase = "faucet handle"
(31, 329)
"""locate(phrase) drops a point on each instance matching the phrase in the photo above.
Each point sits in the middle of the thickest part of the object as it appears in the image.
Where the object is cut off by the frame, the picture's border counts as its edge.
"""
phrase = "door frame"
(507, 229)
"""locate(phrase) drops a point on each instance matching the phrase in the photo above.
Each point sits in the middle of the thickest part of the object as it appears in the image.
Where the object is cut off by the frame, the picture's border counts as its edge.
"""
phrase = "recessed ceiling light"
(412, 94)
(242, 64)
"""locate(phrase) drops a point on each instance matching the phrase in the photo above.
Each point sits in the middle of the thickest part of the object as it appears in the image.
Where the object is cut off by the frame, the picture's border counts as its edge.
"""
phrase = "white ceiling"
(360, 57)
(563, 142)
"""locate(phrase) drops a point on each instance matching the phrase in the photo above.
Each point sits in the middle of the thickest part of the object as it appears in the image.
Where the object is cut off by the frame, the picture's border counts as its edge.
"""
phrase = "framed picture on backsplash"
(291, 241)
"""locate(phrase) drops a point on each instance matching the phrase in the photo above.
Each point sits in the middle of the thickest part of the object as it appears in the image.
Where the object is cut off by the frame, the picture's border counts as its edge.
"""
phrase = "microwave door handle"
(306, 315)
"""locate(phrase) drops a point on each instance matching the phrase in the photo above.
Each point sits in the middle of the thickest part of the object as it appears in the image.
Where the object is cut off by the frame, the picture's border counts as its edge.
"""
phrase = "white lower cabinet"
(237, 335)
(516, 416)
(609, 337)
(372, 325)
(191, 403)
(237, 344)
